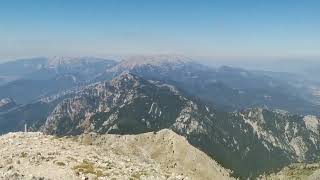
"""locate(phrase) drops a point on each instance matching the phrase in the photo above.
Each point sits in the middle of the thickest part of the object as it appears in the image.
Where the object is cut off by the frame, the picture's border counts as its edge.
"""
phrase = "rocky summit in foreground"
(158, 155)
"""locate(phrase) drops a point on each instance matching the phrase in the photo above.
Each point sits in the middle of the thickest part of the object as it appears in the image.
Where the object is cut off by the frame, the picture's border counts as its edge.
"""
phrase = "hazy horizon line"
(118, 57)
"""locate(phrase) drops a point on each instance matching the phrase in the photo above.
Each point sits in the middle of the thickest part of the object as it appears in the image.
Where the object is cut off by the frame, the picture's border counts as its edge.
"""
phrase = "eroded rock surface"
(161, 155)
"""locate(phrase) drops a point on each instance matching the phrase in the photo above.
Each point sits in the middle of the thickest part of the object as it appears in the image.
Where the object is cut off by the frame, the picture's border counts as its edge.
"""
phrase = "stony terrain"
(159, 155)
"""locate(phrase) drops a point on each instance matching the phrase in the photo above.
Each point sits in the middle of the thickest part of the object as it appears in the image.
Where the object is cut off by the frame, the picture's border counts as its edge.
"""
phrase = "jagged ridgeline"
(250, 142)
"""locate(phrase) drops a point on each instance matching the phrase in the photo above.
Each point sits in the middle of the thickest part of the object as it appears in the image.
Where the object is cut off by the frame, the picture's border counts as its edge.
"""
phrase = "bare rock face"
(164, 155)
(296, 135)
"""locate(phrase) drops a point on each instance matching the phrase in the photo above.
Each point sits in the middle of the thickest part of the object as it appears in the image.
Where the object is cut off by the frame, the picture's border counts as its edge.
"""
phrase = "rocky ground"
(161, 155)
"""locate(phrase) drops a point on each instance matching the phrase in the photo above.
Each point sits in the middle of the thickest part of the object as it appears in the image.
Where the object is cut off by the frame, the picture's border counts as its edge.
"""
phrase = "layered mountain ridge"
(231, 88)
(130, 104)
(231, 114)
(48, 76)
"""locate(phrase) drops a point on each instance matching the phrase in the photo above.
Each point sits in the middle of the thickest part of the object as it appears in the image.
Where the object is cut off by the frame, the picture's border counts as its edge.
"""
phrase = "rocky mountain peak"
(129, 76)
(163, 61)
(126, 79)
(156, 60)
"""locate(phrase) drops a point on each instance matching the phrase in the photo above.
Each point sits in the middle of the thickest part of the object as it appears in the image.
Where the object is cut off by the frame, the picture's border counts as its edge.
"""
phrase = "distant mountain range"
(48, 67)
(235, 116)
(47, 76)
(225, 86)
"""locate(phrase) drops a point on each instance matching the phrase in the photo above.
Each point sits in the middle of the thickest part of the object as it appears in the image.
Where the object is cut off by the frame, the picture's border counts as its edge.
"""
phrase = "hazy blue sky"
(223, 28)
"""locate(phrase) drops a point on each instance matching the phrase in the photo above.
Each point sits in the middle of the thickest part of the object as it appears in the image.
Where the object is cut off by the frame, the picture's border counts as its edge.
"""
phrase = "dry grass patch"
(87, 167)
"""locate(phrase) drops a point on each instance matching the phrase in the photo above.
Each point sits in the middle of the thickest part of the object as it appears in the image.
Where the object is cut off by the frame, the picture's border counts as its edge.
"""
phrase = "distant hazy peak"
(5, 101)
(64, 60)
(159, 60)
